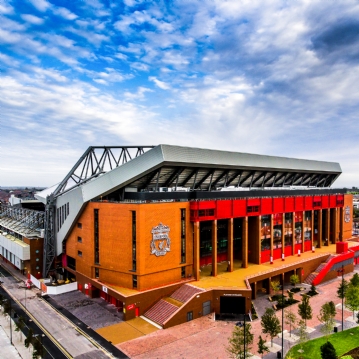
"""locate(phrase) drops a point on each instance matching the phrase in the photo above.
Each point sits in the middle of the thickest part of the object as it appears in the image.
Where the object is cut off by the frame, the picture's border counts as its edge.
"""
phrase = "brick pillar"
(214, 248)
(327, 226)
(230, 256)
(271, 235)
(245, 243)
(320, 225)
(283, 231)
(302, 235)
(293, 234)
(196, 248)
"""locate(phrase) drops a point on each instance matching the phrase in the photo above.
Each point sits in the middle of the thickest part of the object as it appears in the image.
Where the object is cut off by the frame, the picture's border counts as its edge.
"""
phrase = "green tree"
(291, 320)
(275, 286)
(19, 326)
(327, 351)
(304, 309)
(342, 289)
(352, 298)
(235, 348)
(355, 280)
(270, 324)
(29, 338)
(326, 317)
(262, 348)
(291, 297)
(302, 333)
(294, 280)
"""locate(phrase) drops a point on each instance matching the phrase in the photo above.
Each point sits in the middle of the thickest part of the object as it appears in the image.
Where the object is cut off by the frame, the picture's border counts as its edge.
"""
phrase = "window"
(97, 236)
(134, 281)
(79, 253)
(79, 225)
(183, 236)
(206, 212)
(189, 316)
(79, 239)
(183, 272)
(252, 209)
(134, 263)
(97, 272)
(317, 204)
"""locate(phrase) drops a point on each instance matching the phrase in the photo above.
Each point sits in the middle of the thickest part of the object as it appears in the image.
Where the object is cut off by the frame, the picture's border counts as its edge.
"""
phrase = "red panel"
(277, 253)
(342, 247)
(317, 198)
(239, 208)
(205, 260)
(221, 257)
(206, 204)
(103, 295)
(265, 256)
(298, 216)
(299, 203)
(298, 247)
(308, 246)
(333, 201)
(289, 204)
(254, 202)
(224, 209)
(288, 251)
(325, 201)
(308, 202)
(278, 205)
(267, 206)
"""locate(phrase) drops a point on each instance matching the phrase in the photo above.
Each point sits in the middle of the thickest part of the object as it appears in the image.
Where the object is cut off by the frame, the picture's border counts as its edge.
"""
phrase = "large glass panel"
(265, 233)
(277, 230)
(288, 235)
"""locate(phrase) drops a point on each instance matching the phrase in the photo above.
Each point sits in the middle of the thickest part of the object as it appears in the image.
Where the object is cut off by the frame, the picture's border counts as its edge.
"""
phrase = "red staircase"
(160, 312)
(185, 292)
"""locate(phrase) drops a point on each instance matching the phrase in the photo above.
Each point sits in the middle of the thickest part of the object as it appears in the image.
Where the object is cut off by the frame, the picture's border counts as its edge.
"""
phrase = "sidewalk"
(203, 337)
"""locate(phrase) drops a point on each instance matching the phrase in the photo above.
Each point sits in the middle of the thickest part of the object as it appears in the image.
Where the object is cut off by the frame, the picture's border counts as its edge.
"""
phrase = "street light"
(341, 271)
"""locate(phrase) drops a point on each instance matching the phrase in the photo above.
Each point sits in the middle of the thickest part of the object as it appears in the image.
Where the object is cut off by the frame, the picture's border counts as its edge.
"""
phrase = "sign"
(161, 242)
(86, 286)
(131, 306)
(232, 295)
(104, 289)
(347, 214)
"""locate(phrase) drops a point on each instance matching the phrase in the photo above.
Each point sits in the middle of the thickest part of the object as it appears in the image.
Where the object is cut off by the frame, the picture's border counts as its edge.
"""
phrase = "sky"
(267, 77)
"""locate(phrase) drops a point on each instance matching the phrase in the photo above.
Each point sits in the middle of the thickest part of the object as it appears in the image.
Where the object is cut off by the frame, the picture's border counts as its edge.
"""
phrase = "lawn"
(342, 342)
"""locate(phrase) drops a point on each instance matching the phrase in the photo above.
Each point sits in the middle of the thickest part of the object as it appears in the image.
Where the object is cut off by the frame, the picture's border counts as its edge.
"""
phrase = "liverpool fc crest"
(161, 243)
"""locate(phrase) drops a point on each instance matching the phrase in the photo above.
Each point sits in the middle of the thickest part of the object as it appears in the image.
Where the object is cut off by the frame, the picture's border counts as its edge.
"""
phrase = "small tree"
(355, 280)
(342, 289)
(270, 324)
(313, 289)
(304, 309)
(275, 286)
(262, 348)
(294, 280)
(326, 317)
(303, 335)
(291, 297)
(352, 298)
(327, 351)
(20, 326)
(291, 320)
(235, 348)
(29, 338)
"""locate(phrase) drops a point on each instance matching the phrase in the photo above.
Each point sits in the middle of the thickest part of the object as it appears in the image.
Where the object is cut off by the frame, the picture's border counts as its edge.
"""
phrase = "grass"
(342, 342)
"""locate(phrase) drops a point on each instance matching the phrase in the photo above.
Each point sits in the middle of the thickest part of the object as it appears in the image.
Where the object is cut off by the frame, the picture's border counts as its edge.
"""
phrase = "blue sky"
(278, 78)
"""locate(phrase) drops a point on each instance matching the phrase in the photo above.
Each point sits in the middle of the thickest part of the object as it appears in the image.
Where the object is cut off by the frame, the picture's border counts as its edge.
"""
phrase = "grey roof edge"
(181, 154)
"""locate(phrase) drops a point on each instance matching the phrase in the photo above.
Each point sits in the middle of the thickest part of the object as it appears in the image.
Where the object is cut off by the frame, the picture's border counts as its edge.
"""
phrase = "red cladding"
(224, 209)
(289, 204)
(299, 203)
(254, 202)
(332, 201)
(308, 202)
(239, 208)
(266, 207)
(325, 201)
(278, 206)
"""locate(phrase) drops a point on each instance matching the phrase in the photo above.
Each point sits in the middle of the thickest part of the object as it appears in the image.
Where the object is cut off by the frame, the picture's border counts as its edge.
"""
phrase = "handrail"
(337, 259)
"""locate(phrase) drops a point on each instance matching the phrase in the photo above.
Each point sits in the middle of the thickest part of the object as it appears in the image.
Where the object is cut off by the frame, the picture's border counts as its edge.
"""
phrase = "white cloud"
(6, 8)
(65, 13)
(162, 85)
(139, 95)
(41, 5)
(139, 66)
(32, 19)
(9, 61)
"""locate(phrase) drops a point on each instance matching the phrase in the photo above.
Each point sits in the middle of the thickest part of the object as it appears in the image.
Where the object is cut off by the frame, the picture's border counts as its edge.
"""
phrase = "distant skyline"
(275, 78)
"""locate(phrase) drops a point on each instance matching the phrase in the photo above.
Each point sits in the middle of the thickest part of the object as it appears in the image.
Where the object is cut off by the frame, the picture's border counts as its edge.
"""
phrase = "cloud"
(65, 13)
(41, 5)
(162, 85)
(32, 19)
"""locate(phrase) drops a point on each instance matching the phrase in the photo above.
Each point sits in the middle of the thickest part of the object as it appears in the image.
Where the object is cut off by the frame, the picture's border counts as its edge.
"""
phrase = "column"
(341, 224)
(327, 226)
(271, 235)
(302, 235)
(258, 249)
(320, 224)
(336, 235)
(230, 256)
(283, 232)
(293, 234)
(312, 233)
(214, 248)
(196, 249)
(245, 243)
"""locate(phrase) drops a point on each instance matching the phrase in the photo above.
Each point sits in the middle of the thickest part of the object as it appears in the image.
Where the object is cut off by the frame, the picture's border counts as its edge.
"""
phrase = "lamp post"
(283, 316)
(341, 271)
